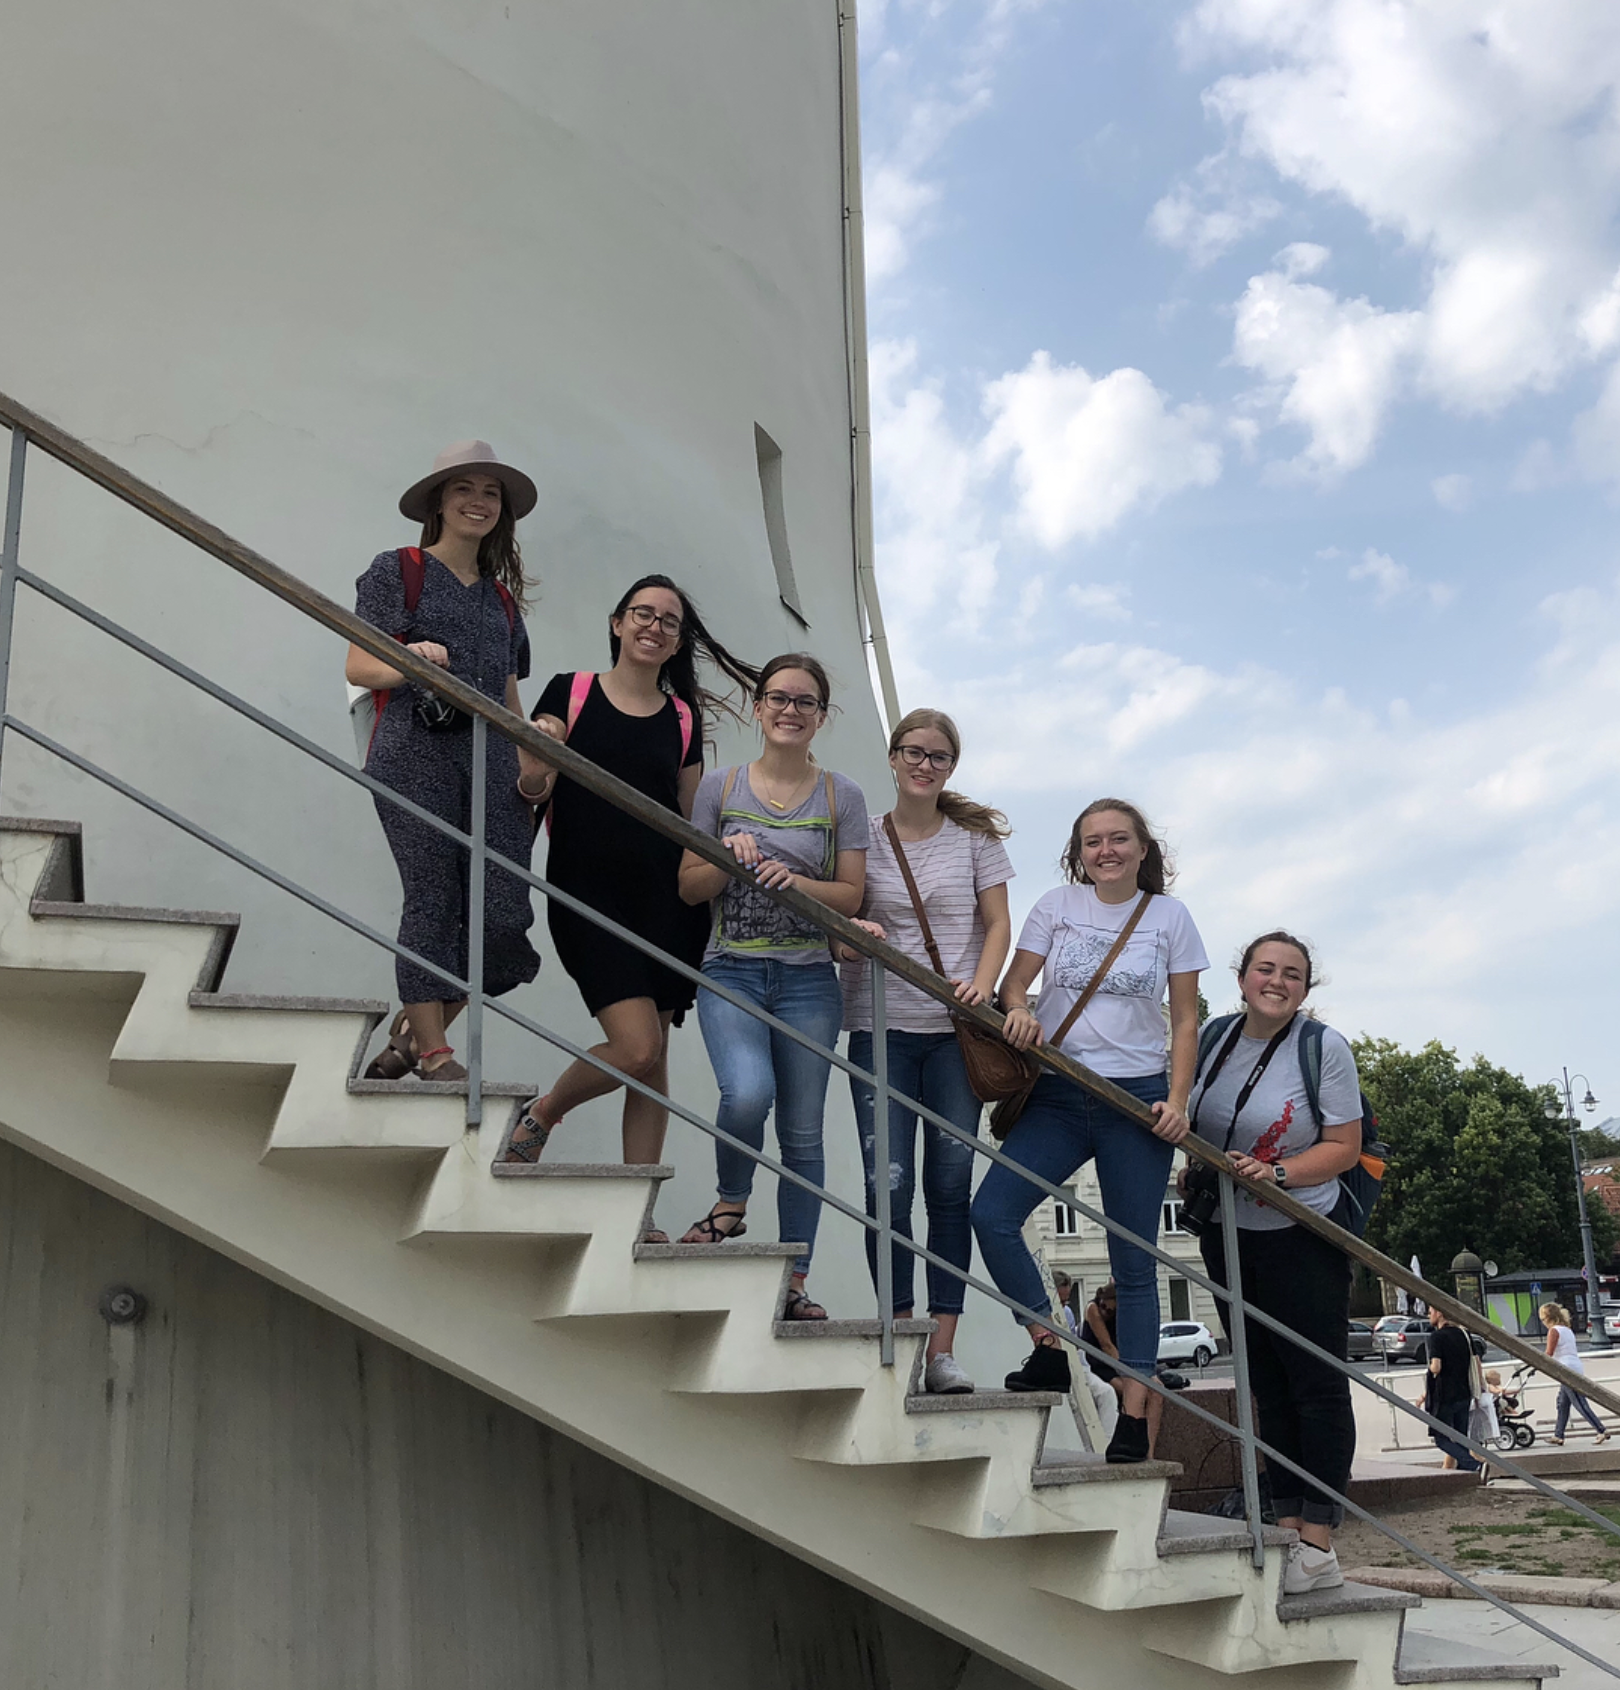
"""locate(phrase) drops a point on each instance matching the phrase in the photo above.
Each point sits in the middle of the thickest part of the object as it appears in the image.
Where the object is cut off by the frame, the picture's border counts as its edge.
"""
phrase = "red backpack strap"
(413, 572)
(508, 604)
(683, 712)
(578, 692)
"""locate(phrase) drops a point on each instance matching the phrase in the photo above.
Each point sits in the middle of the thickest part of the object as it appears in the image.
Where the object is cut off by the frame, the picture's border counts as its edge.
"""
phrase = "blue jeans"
(1062, 1129)
(929, 1068)
(757, 1066)
(1568, 1399)
(1455, 1415)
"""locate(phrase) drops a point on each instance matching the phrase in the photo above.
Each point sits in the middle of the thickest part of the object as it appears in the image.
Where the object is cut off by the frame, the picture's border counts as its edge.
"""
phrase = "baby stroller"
(1512, 1417)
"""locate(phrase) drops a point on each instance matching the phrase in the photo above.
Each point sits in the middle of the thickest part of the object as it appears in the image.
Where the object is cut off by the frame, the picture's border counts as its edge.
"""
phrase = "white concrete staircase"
(240, 1121)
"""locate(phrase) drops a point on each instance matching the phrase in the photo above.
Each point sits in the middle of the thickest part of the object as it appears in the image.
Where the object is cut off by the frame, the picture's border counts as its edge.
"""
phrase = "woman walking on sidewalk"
(1562, 1348)
(791, 823)
(936, 888)
(456, 601)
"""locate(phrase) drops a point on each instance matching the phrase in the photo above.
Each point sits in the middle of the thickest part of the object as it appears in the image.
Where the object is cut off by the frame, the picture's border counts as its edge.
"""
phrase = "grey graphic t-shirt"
(1277, 1120)
(808, 838)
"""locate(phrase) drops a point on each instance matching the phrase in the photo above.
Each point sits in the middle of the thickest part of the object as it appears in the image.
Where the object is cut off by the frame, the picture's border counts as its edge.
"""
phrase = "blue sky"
(1246, 422)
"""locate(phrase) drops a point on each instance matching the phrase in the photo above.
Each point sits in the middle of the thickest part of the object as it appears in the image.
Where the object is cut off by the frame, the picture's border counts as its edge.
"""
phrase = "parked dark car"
(1363, 1345)
(1400, 1337)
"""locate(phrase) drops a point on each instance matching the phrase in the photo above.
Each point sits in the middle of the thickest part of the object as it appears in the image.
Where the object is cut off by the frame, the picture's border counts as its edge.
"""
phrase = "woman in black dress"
(457, 601)
(643, 721)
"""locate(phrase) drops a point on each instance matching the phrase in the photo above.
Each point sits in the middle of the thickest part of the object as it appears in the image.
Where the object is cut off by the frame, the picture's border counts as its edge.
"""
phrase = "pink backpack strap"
(683, 712)
(578, 692)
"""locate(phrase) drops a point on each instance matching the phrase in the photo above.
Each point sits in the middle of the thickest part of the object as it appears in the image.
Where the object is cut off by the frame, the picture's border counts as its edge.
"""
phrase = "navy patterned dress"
(435, 771)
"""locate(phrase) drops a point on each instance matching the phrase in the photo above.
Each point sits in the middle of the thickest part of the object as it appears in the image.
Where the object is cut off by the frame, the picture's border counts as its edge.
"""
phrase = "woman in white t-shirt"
(1114, 865)
(1562, 1348)
(954, 852)
(1251, 1101)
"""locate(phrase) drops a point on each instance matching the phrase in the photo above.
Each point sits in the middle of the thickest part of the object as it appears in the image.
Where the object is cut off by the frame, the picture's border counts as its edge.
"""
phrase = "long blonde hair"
(1553, 1314)
(974, 817)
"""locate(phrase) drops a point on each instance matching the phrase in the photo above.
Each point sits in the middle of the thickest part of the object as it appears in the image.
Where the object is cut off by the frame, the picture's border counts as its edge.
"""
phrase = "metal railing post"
(8, 566)
(1235, 1328)
(477, 863)
(882, 1189)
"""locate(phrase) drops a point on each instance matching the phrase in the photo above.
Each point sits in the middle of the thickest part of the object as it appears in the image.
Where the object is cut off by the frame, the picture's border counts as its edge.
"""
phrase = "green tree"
(1474, 1164)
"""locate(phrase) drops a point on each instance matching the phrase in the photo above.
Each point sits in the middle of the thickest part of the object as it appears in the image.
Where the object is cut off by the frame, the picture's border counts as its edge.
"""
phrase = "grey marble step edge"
(1081, 1467)
(580, 1170)
(47, 907)
(1346, 1598)
(851, 1328)
(439, 1088)
(979, 1402)
(1199, 1534)
(1426, 1659)
(707, 1252)
(39, 824)
(225, 923)
(320, 1006)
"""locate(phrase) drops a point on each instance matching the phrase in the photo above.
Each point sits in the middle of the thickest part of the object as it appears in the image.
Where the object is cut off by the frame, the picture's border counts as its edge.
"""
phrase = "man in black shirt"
(1450, 1392)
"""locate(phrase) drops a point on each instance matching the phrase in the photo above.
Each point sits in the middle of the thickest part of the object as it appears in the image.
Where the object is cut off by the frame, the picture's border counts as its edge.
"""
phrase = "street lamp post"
(1594, 1306)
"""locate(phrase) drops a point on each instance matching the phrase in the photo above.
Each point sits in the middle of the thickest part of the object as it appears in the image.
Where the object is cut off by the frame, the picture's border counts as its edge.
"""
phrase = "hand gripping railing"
(485, 713)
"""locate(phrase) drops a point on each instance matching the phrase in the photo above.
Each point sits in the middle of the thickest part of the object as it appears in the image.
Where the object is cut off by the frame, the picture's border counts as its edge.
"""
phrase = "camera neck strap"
(1247, 1089)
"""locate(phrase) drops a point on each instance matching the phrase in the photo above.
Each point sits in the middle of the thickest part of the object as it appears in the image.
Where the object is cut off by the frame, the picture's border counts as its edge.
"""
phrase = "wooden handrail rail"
(142, 496)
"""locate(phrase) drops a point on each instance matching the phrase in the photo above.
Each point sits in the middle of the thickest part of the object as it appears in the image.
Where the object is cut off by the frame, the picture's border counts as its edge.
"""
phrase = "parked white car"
(1187, 1340)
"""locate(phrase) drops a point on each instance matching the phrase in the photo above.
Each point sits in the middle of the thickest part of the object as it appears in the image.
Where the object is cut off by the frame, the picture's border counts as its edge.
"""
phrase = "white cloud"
(1484, 138)
(1086, 450)
(1452, 492)
(1210, 213)
(1334, 364)
(1393, 580)
(1104, 603)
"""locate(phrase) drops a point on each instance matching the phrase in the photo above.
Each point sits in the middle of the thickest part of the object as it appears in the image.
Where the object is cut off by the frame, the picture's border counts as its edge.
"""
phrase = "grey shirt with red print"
(1277, 1119)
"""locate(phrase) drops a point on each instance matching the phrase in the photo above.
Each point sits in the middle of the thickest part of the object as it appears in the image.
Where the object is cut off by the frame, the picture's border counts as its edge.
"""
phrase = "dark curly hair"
(679, 672)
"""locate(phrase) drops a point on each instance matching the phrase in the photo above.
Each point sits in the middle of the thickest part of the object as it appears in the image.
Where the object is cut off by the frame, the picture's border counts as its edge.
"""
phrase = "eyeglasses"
(644, 616)
(914, 757)
(804, 703)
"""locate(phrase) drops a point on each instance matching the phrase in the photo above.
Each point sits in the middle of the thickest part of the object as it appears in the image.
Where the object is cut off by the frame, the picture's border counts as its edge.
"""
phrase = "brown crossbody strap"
(1056, 1040)
(916, 897)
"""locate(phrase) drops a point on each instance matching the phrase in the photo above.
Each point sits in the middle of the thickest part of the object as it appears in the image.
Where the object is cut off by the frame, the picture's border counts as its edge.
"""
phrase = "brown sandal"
(799, 1306)
(396, 1060)
(448, 1072)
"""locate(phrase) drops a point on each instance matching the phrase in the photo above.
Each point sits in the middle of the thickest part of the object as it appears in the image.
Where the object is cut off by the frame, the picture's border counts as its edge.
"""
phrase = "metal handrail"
(486, 714)
(113, 478)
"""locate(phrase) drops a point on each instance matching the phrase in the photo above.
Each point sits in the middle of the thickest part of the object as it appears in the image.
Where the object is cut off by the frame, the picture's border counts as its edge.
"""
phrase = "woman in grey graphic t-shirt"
(1251, 1100)
(793, 824)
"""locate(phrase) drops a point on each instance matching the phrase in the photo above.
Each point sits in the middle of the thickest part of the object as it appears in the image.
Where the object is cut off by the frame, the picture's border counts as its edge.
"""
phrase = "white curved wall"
(272, 257)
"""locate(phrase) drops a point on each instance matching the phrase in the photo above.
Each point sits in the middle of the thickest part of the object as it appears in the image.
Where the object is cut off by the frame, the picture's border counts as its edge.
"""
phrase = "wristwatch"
(1279, 1173)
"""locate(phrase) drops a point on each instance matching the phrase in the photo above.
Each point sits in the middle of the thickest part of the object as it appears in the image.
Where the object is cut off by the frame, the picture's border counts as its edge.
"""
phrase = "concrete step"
(1347, 1598)
(1085, 1467)
(1425, 1659)
(1182, 1533)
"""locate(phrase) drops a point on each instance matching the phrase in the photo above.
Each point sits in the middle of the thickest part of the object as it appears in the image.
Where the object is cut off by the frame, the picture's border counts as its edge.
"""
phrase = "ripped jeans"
(929, 1068)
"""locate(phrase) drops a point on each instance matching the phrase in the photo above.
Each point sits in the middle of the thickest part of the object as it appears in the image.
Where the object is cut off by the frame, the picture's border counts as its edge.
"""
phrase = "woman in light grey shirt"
(1252, 1100)
(954, 853)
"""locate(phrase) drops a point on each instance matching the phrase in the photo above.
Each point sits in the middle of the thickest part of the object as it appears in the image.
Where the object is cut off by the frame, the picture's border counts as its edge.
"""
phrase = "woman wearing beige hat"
(457, 601)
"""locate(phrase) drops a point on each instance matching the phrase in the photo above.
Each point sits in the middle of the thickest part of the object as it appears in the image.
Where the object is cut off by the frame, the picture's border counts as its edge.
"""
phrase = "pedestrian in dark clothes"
(1449, 1390)
(642, 720)
(467, 618)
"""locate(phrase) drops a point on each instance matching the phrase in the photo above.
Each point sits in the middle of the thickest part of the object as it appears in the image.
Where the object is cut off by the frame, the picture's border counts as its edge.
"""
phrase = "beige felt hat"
(416, 502)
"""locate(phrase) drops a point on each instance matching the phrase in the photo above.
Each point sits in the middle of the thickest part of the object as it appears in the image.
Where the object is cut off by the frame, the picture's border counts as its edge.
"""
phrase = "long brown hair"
(679, 673)
(1155, 872)
(954, 806)
(500, 558)
(795, 660)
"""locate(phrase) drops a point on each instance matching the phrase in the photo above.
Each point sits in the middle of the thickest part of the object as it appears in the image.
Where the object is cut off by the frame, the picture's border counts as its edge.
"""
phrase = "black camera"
(438, 715)
(1202, 1196)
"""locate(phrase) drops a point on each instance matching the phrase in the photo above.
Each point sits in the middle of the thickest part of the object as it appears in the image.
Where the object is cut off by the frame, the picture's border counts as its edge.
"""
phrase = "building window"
(1180, 1299)
(1065, 1221)
(769, 455)
(1171, 1221)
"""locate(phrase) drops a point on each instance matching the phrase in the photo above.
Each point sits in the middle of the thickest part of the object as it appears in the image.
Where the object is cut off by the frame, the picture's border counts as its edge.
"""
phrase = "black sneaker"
(1045, 1369)
(1129, 1443)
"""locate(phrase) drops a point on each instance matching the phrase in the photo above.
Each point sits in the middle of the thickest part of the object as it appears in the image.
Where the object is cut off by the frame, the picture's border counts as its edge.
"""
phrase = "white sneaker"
(944, 1378)
(1310, 1568)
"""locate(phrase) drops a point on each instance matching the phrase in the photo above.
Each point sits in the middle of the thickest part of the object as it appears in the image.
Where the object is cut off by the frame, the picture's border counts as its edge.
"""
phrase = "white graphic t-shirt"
(1121, 1034)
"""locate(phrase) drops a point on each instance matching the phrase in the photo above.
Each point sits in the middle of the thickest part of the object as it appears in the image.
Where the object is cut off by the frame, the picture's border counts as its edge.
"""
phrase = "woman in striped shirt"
(953, 850)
